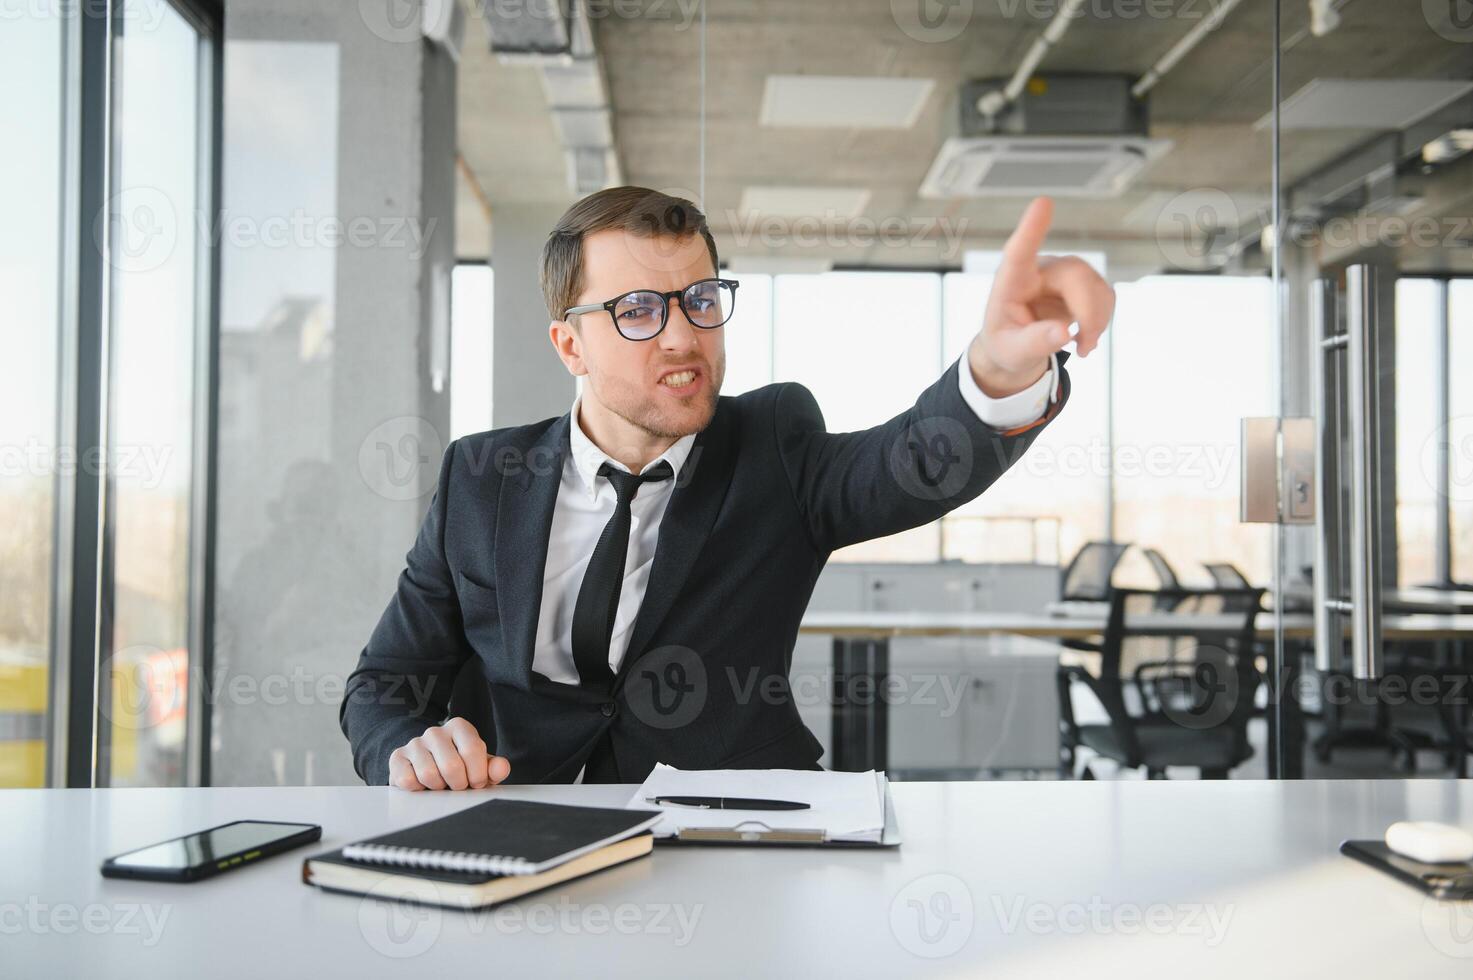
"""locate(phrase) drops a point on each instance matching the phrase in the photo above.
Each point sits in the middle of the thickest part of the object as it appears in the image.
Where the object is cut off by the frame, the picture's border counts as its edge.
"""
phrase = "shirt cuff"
(1010, 411)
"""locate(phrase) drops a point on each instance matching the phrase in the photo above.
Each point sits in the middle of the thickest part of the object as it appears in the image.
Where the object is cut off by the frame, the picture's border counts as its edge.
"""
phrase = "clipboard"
(750, 832)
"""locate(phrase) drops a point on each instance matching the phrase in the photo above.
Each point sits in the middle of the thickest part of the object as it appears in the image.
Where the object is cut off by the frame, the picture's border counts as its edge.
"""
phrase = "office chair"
(1225, 575)
(1409, 724)
(1406, 728)
(1165, 574)
(1087, 579)
(1192, 708)
(1087, 576)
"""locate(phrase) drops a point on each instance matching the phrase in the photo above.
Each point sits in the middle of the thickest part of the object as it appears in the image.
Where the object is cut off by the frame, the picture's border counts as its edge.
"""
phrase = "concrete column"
(529, 383)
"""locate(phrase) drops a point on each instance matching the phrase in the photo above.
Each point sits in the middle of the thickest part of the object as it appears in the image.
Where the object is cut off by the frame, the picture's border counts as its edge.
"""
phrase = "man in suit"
(623, 584)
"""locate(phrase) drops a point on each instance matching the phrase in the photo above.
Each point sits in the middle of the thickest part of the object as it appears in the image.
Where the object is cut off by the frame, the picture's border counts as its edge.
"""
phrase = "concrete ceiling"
(1207, 105)
(508, 146)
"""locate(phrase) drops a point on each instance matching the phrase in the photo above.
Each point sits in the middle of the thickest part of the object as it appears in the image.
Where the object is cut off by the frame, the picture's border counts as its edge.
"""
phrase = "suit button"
(607, 708)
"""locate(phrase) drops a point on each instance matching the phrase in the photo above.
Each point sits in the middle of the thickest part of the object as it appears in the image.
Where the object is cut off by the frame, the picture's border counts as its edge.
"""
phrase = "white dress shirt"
(585, 502)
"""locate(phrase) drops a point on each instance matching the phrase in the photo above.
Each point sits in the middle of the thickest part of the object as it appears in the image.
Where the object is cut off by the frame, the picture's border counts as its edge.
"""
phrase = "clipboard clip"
(752, 831)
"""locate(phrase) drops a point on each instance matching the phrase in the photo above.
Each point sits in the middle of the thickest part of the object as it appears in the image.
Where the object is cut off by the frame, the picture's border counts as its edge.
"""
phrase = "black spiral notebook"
(486, 853)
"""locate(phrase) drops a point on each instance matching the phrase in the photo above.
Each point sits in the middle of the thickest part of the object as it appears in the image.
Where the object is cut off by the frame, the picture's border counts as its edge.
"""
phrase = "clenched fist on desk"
(448, 756)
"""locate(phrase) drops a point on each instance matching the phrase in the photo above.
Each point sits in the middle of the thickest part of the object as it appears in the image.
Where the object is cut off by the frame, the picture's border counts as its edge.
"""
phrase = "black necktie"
(598, 597)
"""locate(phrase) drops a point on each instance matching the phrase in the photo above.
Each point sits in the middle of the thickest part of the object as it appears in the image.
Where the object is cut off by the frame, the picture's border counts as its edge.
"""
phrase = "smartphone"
(209, 852)
(1452, 882)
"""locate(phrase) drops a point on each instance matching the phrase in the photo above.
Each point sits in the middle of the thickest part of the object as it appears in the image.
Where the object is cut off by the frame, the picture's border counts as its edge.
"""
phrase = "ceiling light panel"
(803, 202)
(1365, 103)
(844, 101)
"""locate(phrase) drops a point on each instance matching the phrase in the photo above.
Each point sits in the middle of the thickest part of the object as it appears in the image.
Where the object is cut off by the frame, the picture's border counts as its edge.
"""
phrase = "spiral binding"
(420, 857)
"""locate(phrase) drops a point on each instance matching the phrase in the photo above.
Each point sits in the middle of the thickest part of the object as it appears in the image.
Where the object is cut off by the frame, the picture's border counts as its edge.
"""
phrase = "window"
(1172, 455)
(1418, 320)
(749, 335)
(822, 331)
(1460, 427)
(826, 330)
(1192, 356)
(106, 273)
(1052, 500)
(1423, 306)
(31, 169)
(471, 314)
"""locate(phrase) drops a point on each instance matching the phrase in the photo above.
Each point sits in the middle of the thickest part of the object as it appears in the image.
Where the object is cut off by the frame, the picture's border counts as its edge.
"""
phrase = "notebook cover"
(535, 832)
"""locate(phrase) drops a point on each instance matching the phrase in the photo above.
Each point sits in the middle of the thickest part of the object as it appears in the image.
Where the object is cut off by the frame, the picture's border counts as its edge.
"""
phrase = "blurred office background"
(271, 257)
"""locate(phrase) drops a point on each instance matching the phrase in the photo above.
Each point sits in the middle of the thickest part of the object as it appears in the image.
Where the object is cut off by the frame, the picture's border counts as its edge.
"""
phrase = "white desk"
(1408, 600)
(1083, 625)
(1028, 879)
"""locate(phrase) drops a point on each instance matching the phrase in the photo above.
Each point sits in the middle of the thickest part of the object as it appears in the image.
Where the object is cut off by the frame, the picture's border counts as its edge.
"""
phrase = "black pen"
(725, 803)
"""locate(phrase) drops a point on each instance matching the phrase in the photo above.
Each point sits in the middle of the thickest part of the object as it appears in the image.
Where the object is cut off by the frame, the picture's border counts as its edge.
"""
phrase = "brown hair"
(637, 210)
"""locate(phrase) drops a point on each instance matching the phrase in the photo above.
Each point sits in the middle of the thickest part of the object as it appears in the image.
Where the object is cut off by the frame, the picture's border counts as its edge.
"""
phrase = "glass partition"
(279, 528)
(1373, 120)
(873, 165)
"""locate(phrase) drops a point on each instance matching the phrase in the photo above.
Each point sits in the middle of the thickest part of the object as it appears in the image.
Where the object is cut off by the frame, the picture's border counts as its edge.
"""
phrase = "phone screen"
(208, 845)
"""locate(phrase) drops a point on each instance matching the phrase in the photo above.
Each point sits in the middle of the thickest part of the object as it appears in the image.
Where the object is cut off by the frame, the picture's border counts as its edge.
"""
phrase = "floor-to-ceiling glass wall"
(105, 267)
(869, 161)
(34, 55)
(337, 359)
(1376, 172)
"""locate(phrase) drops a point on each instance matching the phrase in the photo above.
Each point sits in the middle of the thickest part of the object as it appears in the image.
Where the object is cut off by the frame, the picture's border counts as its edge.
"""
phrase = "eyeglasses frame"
(676, 294)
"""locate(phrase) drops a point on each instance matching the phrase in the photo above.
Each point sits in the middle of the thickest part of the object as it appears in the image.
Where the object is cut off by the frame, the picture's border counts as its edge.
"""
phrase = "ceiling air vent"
(1065, 135)
(991, 166)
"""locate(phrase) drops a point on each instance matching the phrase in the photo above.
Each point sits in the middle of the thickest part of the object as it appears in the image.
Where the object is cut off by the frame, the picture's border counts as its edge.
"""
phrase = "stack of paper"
(846, 806)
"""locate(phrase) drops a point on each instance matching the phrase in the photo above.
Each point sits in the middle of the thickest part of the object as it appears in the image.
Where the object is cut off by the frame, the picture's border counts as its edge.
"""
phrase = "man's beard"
(647, 413)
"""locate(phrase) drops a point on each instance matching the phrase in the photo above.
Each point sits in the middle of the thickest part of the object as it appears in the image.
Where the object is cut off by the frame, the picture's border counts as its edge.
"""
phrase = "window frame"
(82, 586)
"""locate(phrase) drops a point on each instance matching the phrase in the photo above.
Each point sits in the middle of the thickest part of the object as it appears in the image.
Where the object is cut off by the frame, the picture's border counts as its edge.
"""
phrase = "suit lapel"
(523, 522)
(700, 490)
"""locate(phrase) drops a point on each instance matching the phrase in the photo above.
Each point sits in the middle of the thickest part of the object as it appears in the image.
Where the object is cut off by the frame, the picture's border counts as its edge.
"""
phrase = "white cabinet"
(929, 701)
(1013, 711)
(956, 705)
(955, 587)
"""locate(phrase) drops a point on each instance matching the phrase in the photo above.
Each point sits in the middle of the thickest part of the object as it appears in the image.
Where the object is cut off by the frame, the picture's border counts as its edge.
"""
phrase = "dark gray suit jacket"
(763, 499)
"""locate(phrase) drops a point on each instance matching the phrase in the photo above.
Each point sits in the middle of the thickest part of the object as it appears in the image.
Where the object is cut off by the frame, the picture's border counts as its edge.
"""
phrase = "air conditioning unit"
(1065, 136)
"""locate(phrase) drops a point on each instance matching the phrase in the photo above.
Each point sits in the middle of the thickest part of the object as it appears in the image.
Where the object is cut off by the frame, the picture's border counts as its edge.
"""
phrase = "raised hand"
(1034, 299)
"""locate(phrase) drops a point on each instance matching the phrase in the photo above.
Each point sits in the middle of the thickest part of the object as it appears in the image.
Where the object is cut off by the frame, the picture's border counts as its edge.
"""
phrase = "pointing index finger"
(1027, 238)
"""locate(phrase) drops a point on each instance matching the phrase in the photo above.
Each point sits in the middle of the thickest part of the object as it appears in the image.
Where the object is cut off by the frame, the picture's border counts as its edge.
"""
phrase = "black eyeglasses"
(642, 313)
